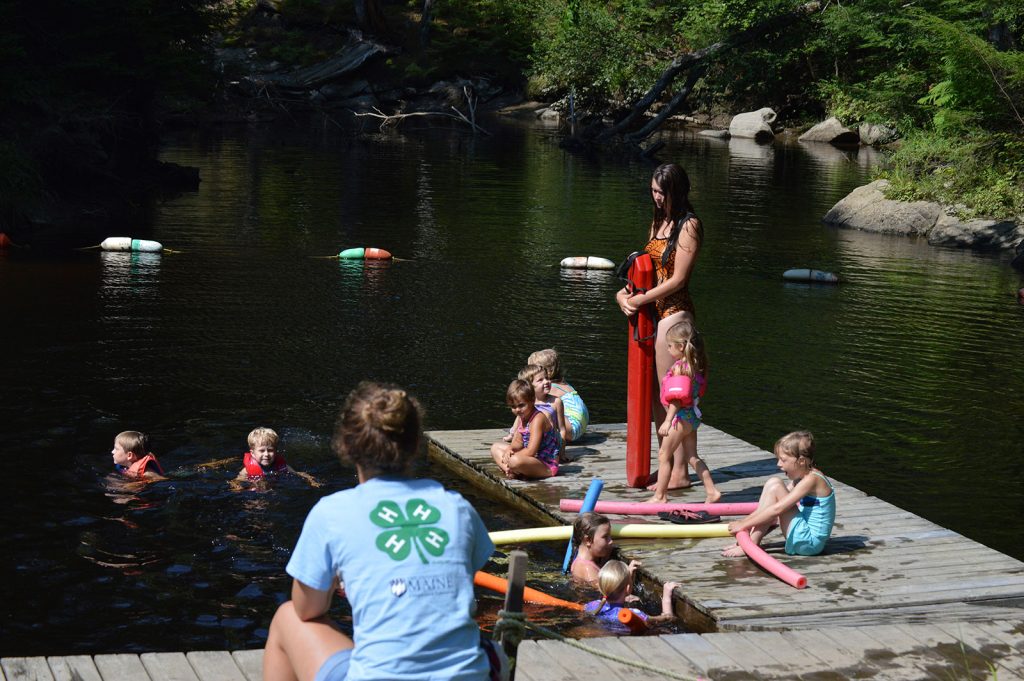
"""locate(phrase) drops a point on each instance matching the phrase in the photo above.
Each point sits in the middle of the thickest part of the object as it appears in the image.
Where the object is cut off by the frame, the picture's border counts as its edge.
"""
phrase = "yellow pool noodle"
(633, 531)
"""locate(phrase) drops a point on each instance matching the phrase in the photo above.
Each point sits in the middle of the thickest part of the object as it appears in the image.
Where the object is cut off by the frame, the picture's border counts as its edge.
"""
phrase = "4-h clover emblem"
(410, 529)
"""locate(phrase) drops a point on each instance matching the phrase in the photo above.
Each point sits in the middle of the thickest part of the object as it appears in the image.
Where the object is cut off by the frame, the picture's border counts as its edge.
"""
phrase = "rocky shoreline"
(867, 208)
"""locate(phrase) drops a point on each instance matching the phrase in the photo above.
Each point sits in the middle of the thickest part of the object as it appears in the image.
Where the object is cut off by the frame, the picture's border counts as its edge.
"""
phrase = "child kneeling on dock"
(406, 551)
(804, 506)
(615, 580)
(533, 452)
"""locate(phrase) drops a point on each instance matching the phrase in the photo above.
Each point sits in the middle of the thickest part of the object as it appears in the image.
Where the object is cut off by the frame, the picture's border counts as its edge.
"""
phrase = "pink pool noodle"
(757, 554)
(641, 508)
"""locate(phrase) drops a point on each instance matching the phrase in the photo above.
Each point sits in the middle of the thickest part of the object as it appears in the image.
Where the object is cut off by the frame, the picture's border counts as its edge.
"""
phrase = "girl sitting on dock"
(592, 541)
(533, 452)
(406, 551)
(804, 507)
(616, 583)
(681, 389)
(576, 415)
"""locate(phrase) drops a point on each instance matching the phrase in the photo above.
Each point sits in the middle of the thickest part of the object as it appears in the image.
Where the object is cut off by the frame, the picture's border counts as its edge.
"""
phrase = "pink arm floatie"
(678, 389)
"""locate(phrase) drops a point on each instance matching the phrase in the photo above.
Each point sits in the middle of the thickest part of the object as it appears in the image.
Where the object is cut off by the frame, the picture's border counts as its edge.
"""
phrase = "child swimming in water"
(616, 583)
(593, 544)
(263, 460)
(804, 507)
(132, 457)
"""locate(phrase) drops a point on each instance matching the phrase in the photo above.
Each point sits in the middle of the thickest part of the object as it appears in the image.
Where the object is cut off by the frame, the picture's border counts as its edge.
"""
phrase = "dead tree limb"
(690, 60)
(389, 120)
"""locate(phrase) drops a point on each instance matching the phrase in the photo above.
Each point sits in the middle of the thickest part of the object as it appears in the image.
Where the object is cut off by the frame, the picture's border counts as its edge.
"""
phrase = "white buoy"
(588, 262)
(126, 243)
(816, 276)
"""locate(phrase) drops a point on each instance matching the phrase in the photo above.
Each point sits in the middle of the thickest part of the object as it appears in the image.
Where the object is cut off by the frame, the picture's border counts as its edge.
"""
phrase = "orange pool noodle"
(636, 624)
(486, 581)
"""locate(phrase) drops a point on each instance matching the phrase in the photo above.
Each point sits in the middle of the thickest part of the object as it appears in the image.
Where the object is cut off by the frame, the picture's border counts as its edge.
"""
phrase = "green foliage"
(611, 51)
(981, 171)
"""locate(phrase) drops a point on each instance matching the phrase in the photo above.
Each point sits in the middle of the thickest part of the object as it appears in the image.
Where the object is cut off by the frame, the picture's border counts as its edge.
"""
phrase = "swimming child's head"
(378, 429)
(614, 580)
(263, 445)
(685, 342)
(538, 378)
(129, 446)
(593, 531)
(796, 446)
(547, 358)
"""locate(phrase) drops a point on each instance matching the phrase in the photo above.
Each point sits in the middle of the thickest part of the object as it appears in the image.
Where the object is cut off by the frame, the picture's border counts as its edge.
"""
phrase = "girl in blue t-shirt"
(403, 551)
(615, 580)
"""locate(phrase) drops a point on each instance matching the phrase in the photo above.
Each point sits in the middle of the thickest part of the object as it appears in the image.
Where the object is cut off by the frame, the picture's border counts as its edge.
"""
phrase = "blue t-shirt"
(406, 551)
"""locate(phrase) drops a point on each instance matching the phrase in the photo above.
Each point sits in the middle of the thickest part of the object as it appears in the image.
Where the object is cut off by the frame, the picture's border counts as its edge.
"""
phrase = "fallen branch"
(389, 120)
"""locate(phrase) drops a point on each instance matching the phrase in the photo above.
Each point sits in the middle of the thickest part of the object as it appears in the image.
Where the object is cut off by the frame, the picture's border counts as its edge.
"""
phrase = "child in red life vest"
(263, 461)
(132, 457)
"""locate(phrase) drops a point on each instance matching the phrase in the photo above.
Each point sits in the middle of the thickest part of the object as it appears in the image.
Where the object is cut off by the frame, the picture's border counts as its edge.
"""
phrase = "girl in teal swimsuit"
(577, 418)
(804, 506)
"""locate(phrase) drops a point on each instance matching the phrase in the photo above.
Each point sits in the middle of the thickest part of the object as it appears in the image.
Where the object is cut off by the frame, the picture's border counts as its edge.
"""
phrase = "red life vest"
(255, 470)
(138, 469)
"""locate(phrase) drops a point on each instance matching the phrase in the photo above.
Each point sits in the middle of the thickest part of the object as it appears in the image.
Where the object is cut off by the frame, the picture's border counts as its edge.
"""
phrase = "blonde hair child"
(577, 417)
(803, 506)
(615, 581)
(264, 461)
(683, 417)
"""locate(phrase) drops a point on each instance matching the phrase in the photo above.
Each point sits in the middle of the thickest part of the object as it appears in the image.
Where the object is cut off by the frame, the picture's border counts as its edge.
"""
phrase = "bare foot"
(673, 482)
(656, 500)
(713, 496)
(733, 551)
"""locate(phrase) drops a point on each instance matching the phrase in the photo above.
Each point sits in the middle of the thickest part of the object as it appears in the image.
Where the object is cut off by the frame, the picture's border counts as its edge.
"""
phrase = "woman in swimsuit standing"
(673, 242)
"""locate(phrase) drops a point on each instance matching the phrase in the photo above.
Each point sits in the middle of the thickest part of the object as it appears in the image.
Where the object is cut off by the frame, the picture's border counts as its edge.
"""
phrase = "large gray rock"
(867, 208)
(977, 233)
(753, 124)
(872, 133)
(833, 132)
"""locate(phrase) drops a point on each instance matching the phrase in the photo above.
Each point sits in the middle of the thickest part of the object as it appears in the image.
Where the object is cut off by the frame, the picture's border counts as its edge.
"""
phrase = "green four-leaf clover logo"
(414, 528)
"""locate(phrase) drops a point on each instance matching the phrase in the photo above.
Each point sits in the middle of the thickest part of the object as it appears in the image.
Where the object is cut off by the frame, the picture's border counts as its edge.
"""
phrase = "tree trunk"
(629, 128)
(428, 6)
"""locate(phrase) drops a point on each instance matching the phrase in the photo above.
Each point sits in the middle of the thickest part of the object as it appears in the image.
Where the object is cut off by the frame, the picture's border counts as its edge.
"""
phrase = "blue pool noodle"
(589, 502)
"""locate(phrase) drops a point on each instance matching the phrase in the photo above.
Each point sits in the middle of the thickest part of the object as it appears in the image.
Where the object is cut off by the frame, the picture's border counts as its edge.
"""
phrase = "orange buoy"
(364, 254)
(488, 581)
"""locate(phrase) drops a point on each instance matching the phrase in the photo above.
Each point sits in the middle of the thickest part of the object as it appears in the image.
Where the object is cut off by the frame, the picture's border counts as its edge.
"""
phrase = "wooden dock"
(893, 597)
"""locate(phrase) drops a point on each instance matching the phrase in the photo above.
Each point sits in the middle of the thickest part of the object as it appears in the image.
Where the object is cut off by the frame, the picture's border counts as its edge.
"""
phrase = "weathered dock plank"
(895, 652)
(74, 668)
(215, 665)
(883, 564)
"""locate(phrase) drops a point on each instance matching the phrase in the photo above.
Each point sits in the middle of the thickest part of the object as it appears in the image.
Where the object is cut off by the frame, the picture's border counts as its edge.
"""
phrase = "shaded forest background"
(87, 86)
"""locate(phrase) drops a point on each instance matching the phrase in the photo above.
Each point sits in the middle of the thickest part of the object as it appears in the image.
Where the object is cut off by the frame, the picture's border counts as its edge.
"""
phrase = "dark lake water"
(909, 373)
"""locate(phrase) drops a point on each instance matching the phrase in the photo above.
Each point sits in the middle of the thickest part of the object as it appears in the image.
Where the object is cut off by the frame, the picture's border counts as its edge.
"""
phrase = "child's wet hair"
(530, 371)
(520, 391)
(378, 429)
(263, 436)
(796, 444)
(612, 578)
(585, 527)
(134, 442)
(547, 358)
(686, 334)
